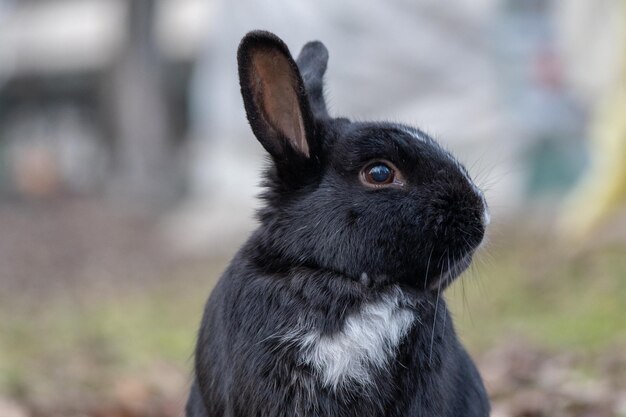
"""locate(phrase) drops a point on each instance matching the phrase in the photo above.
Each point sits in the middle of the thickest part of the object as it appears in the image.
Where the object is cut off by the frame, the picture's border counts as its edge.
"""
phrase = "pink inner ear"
(275, 89)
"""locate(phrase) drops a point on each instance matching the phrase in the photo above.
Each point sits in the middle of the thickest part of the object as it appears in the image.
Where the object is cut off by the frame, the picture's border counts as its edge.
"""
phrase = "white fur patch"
(416, 134)
(368, 340)
(486, 214)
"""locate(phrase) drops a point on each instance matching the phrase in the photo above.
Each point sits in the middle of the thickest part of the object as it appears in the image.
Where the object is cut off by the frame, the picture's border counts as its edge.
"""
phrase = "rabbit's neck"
(366, 343)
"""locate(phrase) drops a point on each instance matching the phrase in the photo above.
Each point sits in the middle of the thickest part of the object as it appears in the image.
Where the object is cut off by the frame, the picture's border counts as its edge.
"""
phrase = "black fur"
(320, 230)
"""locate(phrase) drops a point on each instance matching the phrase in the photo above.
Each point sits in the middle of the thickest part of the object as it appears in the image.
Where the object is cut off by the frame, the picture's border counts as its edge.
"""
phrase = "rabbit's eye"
(380, 173)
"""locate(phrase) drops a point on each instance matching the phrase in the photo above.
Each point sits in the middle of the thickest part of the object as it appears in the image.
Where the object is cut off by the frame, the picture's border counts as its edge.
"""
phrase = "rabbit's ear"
(274, 96)
(312, 61)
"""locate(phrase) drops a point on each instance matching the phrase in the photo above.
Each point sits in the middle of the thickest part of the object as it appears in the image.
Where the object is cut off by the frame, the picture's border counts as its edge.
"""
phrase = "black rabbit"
(332, 307)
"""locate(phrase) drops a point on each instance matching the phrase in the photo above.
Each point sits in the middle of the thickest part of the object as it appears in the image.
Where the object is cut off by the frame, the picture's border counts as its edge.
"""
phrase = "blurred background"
(128, 178)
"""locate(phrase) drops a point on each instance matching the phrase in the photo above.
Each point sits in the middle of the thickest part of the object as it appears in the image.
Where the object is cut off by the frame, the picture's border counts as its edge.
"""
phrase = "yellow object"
(603, 189)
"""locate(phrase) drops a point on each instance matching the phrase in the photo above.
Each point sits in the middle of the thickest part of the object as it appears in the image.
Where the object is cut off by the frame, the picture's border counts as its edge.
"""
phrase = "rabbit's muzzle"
(455, 222)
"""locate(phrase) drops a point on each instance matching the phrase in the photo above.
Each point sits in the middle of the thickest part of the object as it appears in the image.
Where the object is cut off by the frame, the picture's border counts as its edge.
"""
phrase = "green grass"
(563, 304)
(97, 339)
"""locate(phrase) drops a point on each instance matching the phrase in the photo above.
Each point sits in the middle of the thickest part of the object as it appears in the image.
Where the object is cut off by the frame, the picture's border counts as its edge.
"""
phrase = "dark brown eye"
(380, 173)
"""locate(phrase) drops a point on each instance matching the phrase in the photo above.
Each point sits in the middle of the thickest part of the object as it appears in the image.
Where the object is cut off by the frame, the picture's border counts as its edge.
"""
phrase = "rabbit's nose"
(486, 216)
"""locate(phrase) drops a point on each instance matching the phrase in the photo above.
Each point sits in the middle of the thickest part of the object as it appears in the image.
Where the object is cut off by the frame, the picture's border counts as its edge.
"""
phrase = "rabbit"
(333, 306)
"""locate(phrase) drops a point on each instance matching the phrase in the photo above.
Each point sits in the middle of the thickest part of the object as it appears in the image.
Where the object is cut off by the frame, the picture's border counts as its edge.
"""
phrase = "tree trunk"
(144, 151)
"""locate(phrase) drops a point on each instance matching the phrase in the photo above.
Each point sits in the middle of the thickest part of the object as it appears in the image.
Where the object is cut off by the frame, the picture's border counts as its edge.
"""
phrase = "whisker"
(432, 248)
(432, 336)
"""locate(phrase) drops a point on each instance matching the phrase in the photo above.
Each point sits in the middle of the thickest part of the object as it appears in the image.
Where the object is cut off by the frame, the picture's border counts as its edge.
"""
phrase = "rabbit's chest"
(366, 344)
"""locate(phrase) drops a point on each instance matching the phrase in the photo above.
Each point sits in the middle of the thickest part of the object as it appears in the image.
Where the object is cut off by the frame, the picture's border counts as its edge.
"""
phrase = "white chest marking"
(368, 340)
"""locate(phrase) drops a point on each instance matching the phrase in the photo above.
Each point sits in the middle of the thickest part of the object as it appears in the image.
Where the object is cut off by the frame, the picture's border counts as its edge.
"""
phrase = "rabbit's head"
(379, 202)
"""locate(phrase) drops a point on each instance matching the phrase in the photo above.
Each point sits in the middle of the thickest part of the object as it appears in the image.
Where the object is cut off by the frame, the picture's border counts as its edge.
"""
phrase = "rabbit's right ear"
(275, 98)
(312, 61)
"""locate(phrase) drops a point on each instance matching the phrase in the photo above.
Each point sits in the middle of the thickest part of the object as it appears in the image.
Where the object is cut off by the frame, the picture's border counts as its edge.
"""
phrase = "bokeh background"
(128, 178)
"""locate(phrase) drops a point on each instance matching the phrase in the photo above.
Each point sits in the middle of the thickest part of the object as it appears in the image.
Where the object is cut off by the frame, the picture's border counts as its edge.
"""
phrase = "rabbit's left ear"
(275, 97)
